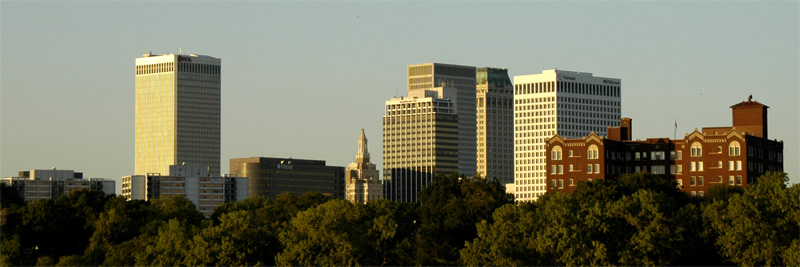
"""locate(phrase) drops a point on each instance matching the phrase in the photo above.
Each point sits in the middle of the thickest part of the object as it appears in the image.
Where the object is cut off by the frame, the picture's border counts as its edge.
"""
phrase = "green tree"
(331, 234)
(121, 222)
(168, 248)
(761, 225)
(239, 240)
(508, 241)
(176, 207)
(449, 211)
(630, 221)
(48, 225)
(722, 192)
(73, 260)
(267, 217)
(10, 196)
(391, 234)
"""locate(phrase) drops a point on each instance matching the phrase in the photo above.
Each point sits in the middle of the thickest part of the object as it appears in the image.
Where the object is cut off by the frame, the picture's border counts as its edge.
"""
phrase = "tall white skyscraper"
(572, 104)
(442, 78)
(177, 112)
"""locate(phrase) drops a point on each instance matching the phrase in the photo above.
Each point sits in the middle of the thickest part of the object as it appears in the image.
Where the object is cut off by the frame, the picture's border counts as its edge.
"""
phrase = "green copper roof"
(495, 76)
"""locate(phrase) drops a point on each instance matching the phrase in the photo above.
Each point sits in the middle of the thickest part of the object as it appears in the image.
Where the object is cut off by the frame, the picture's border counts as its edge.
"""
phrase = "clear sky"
(300, 79)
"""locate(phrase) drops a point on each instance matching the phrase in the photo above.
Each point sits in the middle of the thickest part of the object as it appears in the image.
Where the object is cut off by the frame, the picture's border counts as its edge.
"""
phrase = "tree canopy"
(638, 219)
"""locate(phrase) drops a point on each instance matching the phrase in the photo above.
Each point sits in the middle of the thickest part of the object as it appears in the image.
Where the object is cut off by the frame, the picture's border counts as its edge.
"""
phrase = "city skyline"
(293, 69)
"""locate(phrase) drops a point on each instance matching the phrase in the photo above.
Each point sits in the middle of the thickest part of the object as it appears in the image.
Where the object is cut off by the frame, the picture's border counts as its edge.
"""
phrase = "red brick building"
(733, 155)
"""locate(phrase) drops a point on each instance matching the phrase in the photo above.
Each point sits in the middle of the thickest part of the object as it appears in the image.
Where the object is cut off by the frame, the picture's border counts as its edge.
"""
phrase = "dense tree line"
(635, 220)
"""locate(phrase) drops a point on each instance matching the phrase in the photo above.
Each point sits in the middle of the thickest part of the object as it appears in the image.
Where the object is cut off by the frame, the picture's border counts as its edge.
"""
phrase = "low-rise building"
(207, 192)
(50, 184)
(273, 176)
(733, 156)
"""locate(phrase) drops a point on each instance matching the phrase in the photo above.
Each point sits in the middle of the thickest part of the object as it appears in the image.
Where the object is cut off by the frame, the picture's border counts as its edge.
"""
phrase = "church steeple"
(362, 155)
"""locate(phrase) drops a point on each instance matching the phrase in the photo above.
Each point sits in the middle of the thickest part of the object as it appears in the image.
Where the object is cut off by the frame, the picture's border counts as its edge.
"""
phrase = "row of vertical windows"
(588, 89)
(154, 68)
(534, 88)
(199, 68)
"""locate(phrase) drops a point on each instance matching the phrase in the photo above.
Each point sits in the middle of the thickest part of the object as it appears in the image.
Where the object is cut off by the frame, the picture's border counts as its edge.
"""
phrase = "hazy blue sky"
(301, 79)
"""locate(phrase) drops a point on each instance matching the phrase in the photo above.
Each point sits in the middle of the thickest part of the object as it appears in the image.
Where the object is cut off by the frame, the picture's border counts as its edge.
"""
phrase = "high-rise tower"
(177, 112)
(571, 104)
(420, 140)
(361, 178)
(495, 102)
(423, 78)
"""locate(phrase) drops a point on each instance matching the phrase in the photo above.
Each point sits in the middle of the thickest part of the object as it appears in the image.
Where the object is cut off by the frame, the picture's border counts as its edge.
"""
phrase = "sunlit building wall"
(362, 180)
(205, 190)
(50, 184)
(177, 112)
(570, 104)
(429, 76)
(495, 105)
(420, 140)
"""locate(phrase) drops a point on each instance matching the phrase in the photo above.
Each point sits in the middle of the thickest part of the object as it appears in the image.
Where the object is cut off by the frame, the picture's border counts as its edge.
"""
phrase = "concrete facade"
(50, 184)
(198, 184)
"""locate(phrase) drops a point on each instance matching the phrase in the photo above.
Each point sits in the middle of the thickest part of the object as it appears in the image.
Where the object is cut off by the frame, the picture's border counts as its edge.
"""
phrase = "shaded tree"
(508, 241)
(391, 233)
(449, 210)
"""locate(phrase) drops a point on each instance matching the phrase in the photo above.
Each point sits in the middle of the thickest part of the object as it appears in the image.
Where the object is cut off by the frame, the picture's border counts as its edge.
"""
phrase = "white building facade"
(50, 184)
(571, 104)
(206, 191)
(177, 112)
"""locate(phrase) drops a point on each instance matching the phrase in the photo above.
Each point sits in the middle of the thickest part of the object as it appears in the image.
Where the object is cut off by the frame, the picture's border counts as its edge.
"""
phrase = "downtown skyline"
(301, 79)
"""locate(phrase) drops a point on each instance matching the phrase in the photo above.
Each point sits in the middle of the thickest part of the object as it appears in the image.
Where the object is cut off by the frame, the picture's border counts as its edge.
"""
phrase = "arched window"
(697, 149)
(591, 153)
(556, 153)
(734, 149)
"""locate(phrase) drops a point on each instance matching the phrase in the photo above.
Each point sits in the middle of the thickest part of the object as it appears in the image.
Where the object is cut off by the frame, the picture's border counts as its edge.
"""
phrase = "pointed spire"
(362, 155)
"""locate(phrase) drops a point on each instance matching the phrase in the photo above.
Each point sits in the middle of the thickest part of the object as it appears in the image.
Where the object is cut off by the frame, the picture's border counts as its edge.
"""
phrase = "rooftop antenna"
(180, 51)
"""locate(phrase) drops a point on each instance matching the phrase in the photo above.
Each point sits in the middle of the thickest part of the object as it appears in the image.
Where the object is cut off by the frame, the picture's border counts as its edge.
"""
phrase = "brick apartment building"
(734, 155)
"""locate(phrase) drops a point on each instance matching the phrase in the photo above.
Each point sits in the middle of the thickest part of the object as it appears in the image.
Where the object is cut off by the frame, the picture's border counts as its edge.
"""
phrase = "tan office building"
(362, 179)
(177, 112)
(459, 81)
(495, 102)
(420, 140)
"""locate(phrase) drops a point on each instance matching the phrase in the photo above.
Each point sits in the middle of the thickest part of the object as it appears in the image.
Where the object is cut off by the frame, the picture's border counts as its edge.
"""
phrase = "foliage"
(630, 221)
(449, 210)
(331, 234)
(761, 225)
(638, 219)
